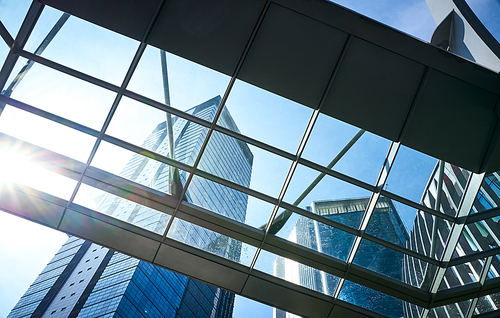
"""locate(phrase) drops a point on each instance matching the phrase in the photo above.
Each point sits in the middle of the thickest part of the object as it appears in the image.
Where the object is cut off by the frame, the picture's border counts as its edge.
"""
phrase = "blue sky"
(25, 247)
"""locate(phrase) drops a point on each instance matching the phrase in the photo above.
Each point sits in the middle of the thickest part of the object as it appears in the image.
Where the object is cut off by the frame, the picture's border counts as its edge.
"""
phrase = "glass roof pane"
(494, 270)
(331, 197)
(487, 303)
(363, 159)
(453, 310)
(489, 193)
(234, 204)
(63, 95)
(384, 260)
(21, 166)
(462, 274)
(12, 14)
(45, 133)
(316, 236)
(84, 46)
(296, 273)
(386, 223)
(4, 50)
(479, 236)
(145, 126)
(267, 117)
(371, 299)
(133, 166)
(410, 173)
(418, 273)
(122, 209)
(428, 235)
(244, 164)
(212, 242)
(189, 83)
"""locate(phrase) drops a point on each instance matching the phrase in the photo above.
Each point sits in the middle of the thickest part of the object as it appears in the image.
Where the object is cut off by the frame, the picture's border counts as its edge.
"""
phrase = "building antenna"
(174, 178)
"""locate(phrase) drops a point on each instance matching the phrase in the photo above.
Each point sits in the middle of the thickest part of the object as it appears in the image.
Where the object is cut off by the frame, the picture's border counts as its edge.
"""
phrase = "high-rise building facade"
(430, 234)
(385, 220)
(87, 280)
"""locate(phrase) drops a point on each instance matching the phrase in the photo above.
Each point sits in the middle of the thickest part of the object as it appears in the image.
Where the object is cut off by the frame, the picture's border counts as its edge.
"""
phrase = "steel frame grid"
(16, 51)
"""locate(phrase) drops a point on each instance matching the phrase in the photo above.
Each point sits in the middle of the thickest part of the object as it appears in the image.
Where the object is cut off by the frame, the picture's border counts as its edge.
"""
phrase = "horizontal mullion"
(42, 113)
(256, 143)
(236, 186)
(166, 108)
(456, 294)
(68, 70)
(403, 250)
(219, 223)
(147, 153)
(476, 217)
(129, 190)
(337, 175)
(320, 218)
(474, 256)
(9, 40)
(417, 206)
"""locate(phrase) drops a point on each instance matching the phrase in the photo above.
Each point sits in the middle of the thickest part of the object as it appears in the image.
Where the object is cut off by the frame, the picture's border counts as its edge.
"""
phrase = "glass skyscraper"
(386, 222)
(87, 280)
(430, 233)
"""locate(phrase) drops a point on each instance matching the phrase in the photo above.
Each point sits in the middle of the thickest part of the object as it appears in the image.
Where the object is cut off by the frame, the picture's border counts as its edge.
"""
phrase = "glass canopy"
(97, 124)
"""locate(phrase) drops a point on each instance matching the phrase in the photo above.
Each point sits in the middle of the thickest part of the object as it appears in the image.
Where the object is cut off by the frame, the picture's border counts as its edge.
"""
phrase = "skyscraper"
(334, 242)
(87, 280)
(430, 234)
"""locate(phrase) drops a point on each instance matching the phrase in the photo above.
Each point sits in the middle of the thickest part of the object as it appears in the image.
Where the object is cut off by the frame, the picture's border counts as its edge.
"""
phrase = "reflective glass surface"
(122, 209)
(212, 242)
(453, 310)
(462, 274)
(296, 273)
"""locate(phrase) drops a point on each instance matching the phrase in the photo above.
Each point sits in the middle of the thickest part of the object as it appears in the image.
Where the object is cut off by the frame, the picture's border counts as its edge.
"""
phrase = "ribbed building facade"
(478, 236)
(87, 280)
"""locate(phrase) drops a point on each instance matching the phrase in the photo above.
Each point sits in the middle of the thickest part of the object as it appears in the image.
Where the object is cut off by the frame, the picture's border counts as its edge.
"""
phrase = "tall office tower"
(385, 221)
(429, 235)
(87, 280)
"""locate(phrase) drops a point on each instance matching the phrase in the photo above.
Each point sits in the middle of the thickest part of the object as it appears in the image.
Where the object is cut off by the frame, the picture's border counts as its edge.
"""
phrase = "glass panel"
(296, 273)
(487, 11)
(494, 270)
(363, 160)
(462, 274)
(246, 165)
(234, 204)
(12, 14)
(20, 166)
(487, 303)
(371, 299)
(479, 236)
(247, 308)
(428, 234)
(418, 273)
(134, 167)
(452, 310)
(45, 133)
(4, 50)
(316, 236)
(189, 83)
(331, 197)
(63, 95)
(385, 261)
(410, 174)
(386, 223)
(212, 242)
(489, 193)
(122, 209)
(267, 117)
(84, 46)
(145, 126)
